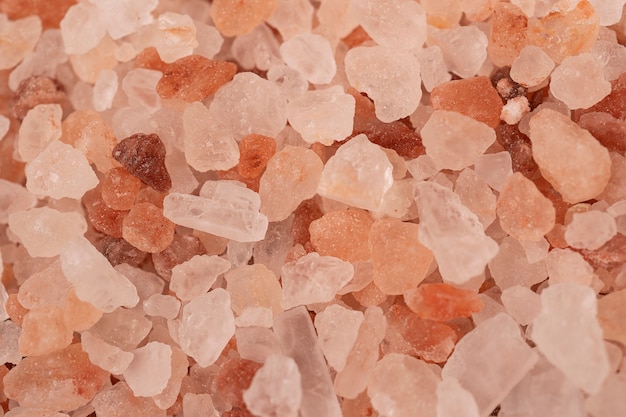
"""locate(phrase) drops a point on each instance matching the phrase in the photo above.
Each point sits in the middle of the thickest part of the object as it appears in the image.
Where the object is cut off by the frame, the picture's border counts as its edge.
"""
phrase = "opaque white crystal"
(590, 230)
(9, 336)
(337, 328)
(147, 375)
(41, 126)
(464, 49)
(195, 277)
(311, 56)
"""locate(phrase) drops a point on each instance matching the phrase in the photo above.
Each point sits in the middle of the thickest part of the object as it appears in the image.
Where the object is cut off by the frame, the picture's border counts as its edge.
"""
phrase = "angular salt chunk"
(118, 400)
(454, 234)
(391, 78)
(275, 389)
(257, 49)
(255, 316)
(310, 55)
(210, 40)
(531, 67)
(172, 34)
(455, 401)
(535, 251)
(19, 38)
(108, 357)
(5, 124)
(206, 326)
(359, 174)
(422, 167)
(490, 360)
(151, 368)
(510, 266)
(290, 82)
(94, 278)
(256, 343)
(579, 82)
(494, 168)
(199, 405)
(514, 109)
(104, 90)
(567, 266)
(476, 195)
(162, 305)
(272, 251)
(433, 68)
(252, 286)
(82, 28)
(122, 328)
(337, 329)
(232, 212)
(123, 17)
(567, 332)
(612, 57)
(521, 303)
(590, 230)
(41, 126)
(609, 11)
(195, 277)
(48, 55)
(464, 49)
(139, 85)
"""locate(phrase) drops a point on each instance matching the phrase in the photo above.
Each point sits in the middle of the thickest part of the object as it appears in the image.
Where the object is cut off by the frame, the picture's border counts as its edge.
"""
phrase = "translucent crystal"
(510, 266)
(531, 67)
(433, 67)
(20, 37)
(590, 230)
(311, 56)
(464, 49)
(455, 401)
(337, 328)
(108, 357)
(122, 17)
(476, 195)
(82, 28)
(579, 82)
(253, 286)
(195, 277)
(41, 126)
(150, 369)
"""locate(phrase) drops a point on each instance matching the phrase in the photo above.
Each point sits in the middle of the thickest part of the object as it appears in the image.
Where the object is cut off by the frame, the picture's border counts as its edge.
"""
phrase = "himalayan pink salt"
(494, 168)
(12, 307)
(289, 81)
(514, 109)
(291, 176)
(609, 401)
(119, 189)
(388, 77)
(531, 67)
(122, 328)
(143, 156)
(442, 14)
(442, 302)
(87, 68)
(9, 347)
(518, 145)
(397, 381)
(275, 389)
(33, 91)
(104, 90)
(108, 357)
(82, 28)
(616, 189)
(41, 125)
(433, 67)
(455, 401)
(590, 230)
(508, 34)
(510, 266)
(252, 286)
(172, 34)
(292, 18)
(14, 198)
(273, 250)
(521, 303)
(44, 288)
(307, 212)
(150, 369)
(258, 49)
(195, 276)
(569, 157)
(255, 316)
(139, 85)
(63, 380)
(579, 82)
(147, 229)
(233, 377)
(567, 318)
(119, 401)
(400, 261)
(492, 307)
(256, 343)
(609, 131)
(311, 55)
(182, 248)
(122, 18)
(535, 251)
(255, 151)
(234, 18)
(43, 332)
(464, 49)
(369, 295)
(101, 217)
(612, 57)
(198, 405)
(342, 234)
(476, 195)
(20, 36)
(337, 329)
(429, 340)
(611, 316)
(161, 305)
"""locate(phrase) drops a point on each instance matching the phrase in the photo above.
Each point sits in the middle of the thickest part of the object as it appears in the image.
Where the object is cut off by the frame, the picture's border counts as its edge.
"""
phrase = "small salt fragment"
(337, 329)
(464, 49)
(514, 110)
(609, 12)
(590, 230)
(139, 85)
(143, 156)
(78, 314)
(108, 357)
(258, 49)
(122, 328)
(198, 405)
(256, 343)
(9, 336)
(432, 67)
(567, 332)
(391, 78)
(161, 305)
(122, 18)
(119, 189)
(531, 67)
(510, 266)
(82, 28)
(508, 34)
(19, 39)
(289, 81)
(535, 251)
(521, 303)
(609, 401)
(611, 56)
(118, 400)
(611, 316)
(33, 412)
(206, 326)
(343, 234)
(422, 167)
(292, 18)
(195, 277)
(41, 126)
(476, 195)
(150, 369)
(492, 307)
(579, 82)
(104, 90)
(310, 55)
(94, 278)
(455, 401)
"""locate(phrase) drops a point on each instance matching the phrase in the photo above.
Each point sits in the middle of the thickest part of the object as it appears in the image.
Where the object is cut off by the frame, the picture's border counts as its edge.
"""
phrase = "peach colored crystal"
(147, 229)
(342, 234)
(254, 153)
(442, 302)
(119, 189)
(238, 17)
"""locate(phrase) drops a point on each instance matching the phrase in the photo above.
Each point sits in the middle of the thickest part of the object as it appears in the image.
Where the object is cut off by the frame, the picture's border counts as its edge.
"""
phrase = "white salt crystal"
(310, 55)
(250, 104)
(123, 17)
(422, 167)
(535, 251)
(195, 277)
(476, 195)
(510, 266)
(125, 52)
(292, 17)
(531, 67)
(565, 265)
(590, 230)
(19, 38)
(609, 11)
(232, 212)
(256, 343)
(94, 278)
(612, 57)
(454, 140)
(336, 19)
(521, 303)
(290, 82)
(313, 279)
(139, 84)
(275, 389)
(172, 34)
(43, 231)
(337, 329)
(359, 174)
(9, 336)
(455, 235)
(41, 126)
(464, 49)
(391, 78)
(104, 90)
(490, 360)
(567, 332)
(210, 40)
(198, 405)
(322, 116)
(610, 400)
(494, 168)
(257, 49)
(151, 368)
(82, 28)
(432, 67)
(162, 305)
(455, 401)
(514, 110)
(492, 306)
(397, 381)
(579, 82)
(206, 326)
(394, 24)
(255, 316)
(60, 171)
(108, 357)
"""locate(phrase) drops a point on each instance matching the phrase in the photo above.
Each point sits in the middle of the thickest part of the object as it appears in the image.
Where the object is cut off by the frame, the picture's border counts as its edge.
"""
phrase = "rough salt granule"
(119, 189)
(172, 34)
(432, 67)
(20, 37)
(342, 234)
(464, 49)
(337, 329)
(311, 55)
(455, 401)
(531, 66)
(611, 316)
(119, 400)
(104, 90)
(143, 155)
(234, 18)
(590, 230)
(579, 82)
(108, 357)
(150, 369)
(9, 336)
(195, 276)
(476, 195)
(508, 33)
(162, 305)
(44, 331)
(510, 266)
(442, 302)
(82, 28)
(521, 303)
(147, 229)
(78, 314)
(41, 125)
(123, 18)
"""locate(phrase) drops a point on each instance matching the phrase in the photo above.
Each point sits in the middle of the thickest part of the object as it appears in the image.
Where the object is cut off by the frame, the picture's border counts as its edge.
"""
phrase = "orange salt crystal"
(254, 152)
(356, 37)
(610, 255)
(235, 376)
(50, 12)
(442, 302)
(238, 17)
(44, 331)
(370, 296)
(508, 34)
(194, 78)
(149, 59)
(103, 218)
(474, 97)
(15, 310)
(74, 124)
(36, 90)
(181, 249)
(342, 234)
(143, 155)
(119, 189)
(147, 229)
(307, 212)
(79, 315)
(233, 174)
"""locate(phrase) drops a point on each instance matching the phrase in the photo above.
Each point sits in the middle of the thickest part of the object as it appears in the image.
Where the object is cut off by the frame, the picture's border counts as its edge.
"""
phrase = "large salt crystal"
(44, 60)
(14, 198)
(476, 195)
(310, 55)
(231, 212)
(289, 81)
(508, 34)
(108, 357)
(521, 303)
(44, 331)
(590, 230)
(612, 317)
(233, 17)
(118, 400)
(313, 279)
(253, 286)
(104, 90)
(490, 361)
(9, 336)
(161, 305)
(195, 277)
(122, 328)
(33, 412)
(41, 126)
(256, 343)
(510, 266)
(609, 12)
(393, 24)
(250, 104)
(359, 174)
(82, 28)
(494, 168)
(567, 332)
(322, 116)
(391, 78)
(397, 381)
(433, 68)
(454, 140)
(151, 368)
(464, 49)
(19, 38)
(123, 17)
(94, 278)
(275, 389)
(318, 397)
(337, 328)
(60, 171)
(455, 401)
(291, 176)
(569, 157)
(611, 56)
(172, 34)
(206, 326)
(258, 49)
(272, 251)
(531, 67)
(579, 82)
(453, 233)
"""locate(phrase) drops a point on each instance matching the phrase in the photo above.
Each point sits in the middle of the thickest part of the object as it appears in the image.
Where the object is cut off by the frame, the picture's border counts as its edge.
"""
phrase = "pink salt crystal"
(441, 302)
(234, 18)
(397, 381)
(609, 131)
(256, 343)
(108, 357)
(531, 67)
(33, 91)
(147, 229)
(521, 303)
(342, 234)
(150, 369)
(611, 316)
(492, 306)
(616, 189)
(33, 412)
(232, 378)
(119, 401)
(511, 267)
(45, 288)
(464, 49)
(104, 90)
(612, 57)
(579, 82)
(63, 380)
(255, 317)
(173, 35)
(198, 405)
(432, 67)
(140, 85)
(255, 152)
(162, 305)
(253, 286)
(292, 18)
(9, 347)
(291, 176)
(455, 401)
(535, 251)
(122, 18)
(567, 318)
(195, 276)
(569, 157)
(337, 330)
(494, 168)
(258, 49)
(489, 361)
(20, 36)
(41, 125)
(311, 55)
(476, 195)
(508, 34)
(272, 251)
(590, 230)
(609, 401)
(122, 328)
(82, 28)
(180, 367)
(119, 189)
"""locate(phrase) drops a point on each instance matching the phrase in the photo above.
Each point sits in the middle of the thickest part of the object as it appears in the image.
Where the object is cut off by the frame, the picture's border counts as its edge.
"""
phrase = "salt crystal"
(489, 361)
(199, 405)
(494, 168)
(569, 157)
(609, 12)
(464, 49)
(180, 368)
(255, 316)
(108, 357)
(476, 195)
(150, 369)
(579, 82)
(78, 314)
(521, 303)
(162, 305)
(422, 167)
(82, 28)
(611, 316)
(567, 332)
(33, 412)
(432, 67)
(342, 234)
(9, 336)
(397, 381)
(139, 85)
(535, 251)
(508, 34)
(119, 400)
(258, 49)
(310, 55)
(272, 251)
(612, 57)
(290, 82)
(147, 229)
(195, 277)
(442, 302)
(358, 174)
(590, 230)
(256, 343)
(233, 18)
(252, 286)
(527, 6)
(210, 40)
(454, 140)
(510, 266)
(122, 17)
(335, 18)
(232, 212)
(455, 401)
(337, 329)
(146, 283)
(123, 328)
(313, 279)
(94, 278)
(455, 236)
(609, 401)
(20, 37)
(389, 77)
(514, 110)
(206, 326)
(531, 67)
(173, 35)
(104, 90)
(41, 126)
(44, 288)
